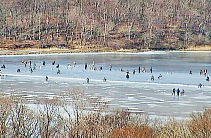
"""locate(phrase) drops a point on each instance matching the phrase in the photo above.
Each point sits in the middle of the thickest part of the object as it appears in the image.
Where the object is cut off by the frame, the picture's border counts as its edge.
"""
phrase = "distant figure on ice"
(139, 69)
(208, 78)
(200, 85)
(152, 78)
(110, 66)
(174, 90)
(190, 72)
(53, 63)
(201, 72)
(34, 68)
(46, 78)
(104, 79)
(122, 70)
(101, 68)
(134, 71)
(68, 66)
(178, 91)
(87, 80)
(3, 66)
(151, 69)
(160, 76)
(43, 63)
(205, 72)
(58, 72)
(143, 69)
(74, 63)
(18, 70)
(127, 75)
(85, 66)
(57, 66)
(30, 69)
(183, 92)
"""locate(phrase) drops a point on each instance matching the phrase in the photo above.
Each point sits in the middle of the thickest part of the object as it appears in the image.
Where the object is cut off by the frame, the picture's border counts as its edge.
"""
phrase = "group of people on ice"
(178, 92)
(93, 67)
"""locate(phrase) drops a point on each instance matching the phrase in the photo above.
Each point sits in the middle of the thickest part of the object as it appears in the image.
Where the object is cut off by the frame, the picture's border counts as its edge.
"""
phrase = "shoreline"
(31, 51)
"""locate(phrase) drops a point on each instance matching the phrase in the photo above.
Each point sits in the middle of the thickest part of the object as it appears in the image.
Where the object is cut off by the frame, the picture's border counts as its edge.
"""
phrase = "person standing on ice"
(46, 78)
(85, 66)
(151, 69)
(178, 91)
(53, 63)
(139, 69)
(173, 93)
(127, 76)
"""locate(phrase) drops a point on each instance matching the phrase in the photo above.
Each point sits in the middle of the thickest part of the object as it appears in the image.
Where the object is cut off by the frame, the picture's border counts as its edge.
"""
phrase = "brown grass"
(133, 132)
(199, 48)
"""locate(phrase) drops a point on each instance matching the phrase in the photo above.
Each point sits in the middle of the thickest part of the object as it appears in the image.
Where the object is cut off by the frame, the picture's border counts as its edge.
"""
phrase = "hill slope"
(100, 24)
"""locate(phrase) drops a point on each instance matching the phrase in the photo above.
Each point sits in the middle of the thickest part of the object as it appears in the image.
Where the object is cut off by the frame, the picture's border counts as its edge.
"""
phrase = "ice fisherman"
(160, 76)
(18, 70)
(104, 79)
(183, 92)
(152, 78)
(58, 72)
(3, 66)
(200, 85)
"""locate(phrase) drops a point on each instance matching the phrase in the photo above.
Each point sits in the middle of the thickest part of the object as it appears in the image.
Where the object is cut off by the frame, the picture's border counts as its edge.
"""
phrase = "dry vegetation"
(104, 25)
(56, 118)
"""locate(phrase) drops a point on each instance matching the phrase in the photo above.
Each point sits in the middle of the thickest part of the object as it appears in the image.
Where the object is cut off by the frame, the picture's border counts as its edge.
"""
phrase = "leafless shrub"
(173, 129)
(200, 124)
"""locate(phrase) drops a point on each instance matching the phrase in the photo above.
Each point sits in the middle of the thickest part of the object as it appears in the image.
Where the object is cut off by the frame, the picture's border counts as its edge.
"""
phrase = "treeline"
(66, 116)
(130, 24)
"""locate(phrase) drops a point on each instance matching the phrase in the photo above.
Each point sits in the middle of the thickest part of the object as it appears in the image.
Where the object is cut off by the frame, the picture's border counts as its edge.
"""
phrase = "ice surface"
(137, 94)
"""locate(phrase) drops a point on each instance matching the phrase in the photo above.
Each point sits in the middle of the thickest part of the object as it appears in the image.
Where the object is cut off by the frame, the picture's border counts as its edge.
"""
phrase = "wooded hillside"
(127, 24)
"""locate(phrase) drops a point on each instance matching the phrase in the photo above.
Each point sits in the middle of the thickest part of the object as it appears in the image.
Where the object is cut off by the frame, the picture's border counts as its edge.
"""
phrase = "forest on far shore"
(114, 24)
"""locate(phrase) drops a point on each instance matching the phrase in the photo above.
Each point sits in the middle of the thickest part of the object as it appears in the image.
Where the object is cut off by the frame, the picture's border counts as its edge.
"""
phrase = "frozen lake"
(138, 93)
